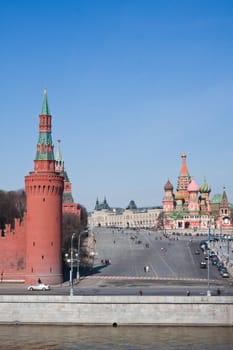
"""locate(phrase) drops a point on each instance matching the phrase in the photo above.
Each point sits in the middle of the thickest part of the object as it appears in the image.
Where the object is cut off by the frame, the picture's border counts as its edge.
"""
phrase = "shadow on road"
(93, 271)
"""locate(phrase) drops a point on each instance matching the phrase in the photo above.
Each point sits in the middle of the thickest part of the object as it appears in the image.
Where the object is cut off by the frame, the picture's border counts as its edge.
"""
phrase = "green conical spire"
(58, 153)
(45, 106)
(44, 149)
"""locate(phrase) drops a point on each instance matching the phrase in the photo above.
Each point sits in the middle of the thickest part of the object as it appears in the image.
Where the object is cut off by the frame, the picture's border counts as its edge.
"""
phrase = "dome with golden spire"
(205, 188)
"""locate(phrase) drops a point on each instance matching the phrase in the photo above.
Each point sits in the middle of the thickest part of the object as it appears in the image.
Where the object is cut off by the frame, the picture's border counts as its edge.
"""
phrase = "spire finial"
(45, 106)
(58, 153)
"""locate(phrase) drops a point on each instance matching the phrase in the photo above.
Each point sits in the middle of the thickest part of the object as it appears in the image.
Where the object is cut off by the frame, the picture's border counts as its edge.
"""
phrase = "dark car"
(203, 264)
(213, 257)
(203, 245)
(212, 254)
(224, 273)
(197, 252)
(220, 265)
(215, 261)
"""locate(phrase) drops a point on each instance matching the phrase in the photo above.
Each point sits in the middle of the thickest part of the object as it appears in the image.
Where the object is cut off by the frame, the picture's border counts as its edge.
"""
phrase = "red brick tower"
(44, 189)
(68, 204)
(183, 181)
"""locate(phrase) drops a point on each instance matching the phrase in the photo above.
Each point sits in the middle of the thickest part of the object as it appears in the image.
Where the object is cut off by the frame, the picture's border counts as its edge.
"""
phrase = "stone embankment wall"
(117, 310)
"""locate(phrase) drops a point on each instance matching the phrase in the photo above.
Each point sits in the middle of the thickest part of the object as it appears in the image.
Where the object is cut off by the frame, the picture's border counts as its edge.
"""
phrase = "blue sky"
(131, 85)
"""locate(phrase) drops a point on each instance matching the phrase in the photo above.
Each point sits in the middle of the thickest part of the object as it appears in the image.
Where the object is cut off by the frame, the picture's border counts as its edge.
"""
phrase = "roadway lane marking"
(165, 263)
(152, 268)
(108, 277)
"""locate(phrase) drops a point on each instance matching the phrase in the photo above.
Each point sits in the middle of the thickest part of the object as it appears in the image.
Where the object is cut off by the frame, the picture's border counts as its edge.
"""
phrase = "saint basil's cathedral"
(191, 208)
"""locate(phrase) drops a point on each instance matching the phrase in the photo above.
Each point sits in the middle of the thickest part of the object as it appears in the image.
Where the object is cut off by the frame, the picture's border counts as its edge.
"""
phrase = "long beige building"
(131, 217)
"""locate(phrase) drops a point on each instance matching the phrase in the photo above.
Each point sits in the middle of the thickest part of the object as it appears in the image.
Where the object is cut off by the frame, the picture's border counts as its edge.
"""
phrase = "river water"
(120, 338)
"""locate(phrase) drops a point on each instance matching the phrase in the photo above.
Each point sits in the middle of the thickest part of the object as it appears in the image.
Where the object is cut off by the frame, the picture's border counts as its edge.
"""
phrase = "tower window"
(50, 269)
(43, 199)
(51, 244)
(42, 257)
(34, 243)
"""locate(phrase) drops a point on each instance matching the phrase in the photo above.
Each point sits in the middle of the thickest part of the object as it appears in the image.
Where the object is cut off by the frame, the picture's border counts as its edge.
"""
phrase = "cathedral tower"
(183, 181)
(44, 190)
(168, 199)
(193, 205)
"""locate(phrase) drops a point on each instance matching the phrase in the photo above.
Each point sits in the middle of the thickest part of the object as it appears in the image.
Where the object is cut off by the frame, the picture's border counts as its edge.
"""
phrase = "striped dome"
(205, 188)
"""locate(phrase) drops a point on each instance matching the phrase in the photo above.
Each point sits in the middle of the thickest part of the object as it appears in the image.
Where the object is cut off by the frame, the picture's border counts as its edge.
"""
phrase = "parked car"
(203, 245)
(197, 252)
(225, 274)
(214, 257)
(39, 286)
(212, 254)
(203, 264)
(215, 261)
(220, 265)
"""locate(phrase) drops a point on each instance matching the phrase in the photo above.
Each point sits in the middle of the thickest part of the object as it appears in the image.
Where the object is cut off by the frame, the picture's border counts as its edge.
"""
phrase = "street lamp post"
(71, 265)
(78, 258)
(228, 248)
(208, 265)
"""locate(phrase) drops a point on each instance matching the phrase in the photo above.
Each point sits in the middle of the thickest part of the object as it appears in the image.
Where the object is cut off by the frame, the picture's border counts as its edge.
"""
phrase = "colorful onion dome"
(205, 188)
(179, 196)
(193, 186)
(168, 186)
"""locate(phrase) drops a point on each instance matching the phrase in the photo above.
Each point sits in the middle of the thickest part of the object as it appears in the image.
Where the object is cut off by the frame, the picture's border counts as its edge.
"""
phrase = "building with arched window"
(130, 217)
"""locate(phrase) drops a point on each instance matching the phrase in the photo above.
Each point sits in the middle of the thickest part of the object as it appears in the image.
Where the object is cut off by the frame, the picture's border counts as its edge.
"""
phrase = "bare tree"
(12, 205)
(71, 223)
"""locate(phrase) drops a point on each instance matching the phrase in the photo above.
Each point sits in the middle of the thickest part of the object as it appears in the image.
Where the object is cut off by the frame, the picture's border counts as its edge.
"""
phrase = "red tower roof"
(184, 169)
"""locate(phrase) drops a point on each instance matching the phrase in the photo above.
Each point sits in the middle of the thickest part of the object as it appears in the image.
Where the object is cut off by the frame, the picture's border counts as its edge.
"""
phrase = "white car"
(39, 286)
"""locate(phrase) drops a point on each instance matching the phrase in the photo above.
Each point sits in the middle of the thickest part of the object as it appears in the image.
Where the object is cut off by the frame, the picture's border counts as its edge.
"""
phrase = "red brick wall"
(13, 252)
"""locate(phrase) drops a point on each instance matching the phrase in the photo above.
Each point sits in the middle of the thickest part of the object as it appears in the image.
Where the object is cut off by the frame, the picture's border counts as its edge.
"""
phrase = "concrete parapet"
(117, 310)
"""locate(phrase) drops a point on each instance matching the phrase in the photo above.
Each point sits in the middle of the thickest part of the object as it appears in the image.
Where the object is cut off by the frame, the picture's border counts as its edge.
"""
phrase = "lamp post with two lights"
(74, 260)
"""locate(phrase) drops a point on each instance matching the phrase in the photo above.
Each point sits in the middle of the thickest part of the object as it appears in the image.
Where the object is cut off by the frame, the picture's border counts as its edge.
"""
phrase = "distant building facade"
(131, 217)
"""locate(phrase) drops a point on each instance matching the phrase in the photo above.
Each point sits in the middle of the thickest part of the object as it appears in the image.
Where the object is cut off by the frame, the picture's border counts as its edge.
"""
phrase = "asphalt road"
(130, 251)
(174, 267)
